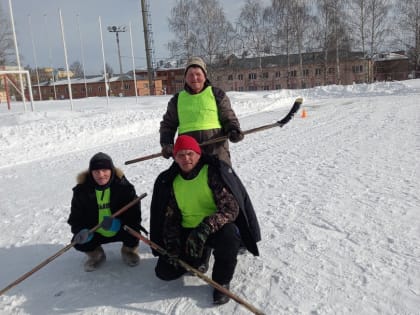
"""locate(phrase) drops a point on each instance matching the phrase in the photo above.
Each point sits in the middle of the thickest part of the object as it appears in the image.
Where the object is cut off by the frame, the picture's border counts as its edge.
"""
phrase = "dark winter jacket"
(84, 207)
(227, 117)
(162, 198)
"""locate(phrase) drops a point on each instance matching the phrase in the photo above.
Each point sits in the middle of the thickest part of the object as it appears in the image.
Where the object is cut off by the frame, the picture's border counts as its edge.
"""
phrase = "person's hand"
(167, 150)
(83, 236)
(235, 135)
(194, 245)
(111, 224)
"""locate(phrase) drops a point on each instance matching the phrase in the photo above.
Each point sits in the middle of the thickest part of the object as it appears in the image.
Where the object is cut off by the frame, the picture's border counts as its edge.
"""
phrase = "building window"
(331, 70)
(357, 69)
(318, 71)
(293, 73)
(278, 86)
(100, 88)
(230, 77)
(266, 88)
(126, 86)
(305, 72)
(265, 75)
(252, 88)
(241, 89)
(252, 76)
(240, 76)
(278, 74)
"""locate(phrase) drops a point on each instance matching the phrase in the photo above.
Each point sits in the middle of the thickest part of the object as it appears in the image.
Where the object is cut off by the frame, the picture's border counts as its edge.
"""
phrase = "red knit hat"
(185, 142)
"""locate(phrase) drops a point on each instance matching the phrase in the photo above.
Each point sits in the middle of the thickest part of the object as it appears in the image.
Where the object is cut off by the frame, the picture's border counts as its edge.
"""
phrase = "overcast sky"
(44, 35)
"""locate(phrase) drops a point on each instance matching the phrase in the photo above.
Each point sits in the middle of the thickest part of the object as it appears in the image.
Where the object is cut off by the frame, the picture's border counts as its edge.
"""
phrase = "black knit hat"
(101, 161)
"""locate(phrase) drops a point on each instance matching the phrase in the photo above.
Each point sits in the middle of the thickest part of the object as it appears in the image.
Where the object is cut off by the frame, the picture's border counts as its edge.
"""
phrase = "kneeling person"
(200, 204)
(101, 191)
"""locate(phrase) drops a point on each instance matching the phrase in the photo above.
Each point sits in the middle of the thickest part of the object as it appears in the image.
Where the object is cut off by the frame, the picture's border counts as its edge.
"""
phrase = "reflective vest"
(197, 111)
(103, 199)
(194, 198)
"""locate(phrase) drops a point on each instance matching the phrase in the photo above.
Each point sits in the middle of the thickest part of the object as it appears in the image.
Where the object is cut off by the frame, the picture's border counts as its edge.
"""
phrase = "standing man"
(201, 111)
(198, 204)
(101, 191)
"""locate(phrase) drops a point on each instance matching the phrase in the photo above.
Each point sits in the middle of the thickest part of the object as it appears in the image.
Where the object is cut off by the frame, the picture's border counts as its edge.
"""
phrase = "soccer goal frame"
(21, 91)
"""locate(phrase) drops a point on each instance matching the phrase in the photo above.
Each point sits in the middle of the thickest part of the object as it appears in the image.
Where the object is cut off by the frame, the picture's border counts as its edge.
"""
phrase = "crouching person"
(199, 205)
(101, 191)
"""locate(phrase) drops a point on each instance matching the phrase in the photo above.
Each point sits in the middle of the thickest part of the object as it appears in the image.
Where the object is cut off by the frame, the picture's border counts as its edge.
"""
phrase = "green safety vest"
(194, 198)
(197, 111)
(103, 199)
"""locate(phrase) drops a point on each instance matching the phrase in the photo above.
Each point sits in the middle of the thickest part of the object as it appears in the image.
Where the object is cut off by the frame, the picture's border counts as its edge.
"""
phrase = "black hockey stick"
(296, 105)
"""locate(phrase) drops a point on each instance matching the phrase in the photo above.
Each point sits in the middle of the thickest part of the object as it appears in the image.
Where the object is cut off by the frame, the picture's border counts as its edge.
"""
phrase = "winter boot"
(220, 298)
(130, 255)
(95, 258)
(204, 263)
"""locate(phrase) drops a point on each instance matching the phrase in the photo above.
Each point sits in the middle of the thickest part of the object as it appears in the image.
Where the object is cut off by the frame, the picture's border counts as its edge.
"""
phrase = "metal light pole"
(116, 30)
(148, 44)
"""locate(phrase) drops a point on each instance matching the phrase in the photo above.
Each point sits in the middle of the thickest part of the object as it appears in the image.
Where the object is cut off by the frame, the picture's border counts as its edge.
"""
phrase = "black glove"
(83, 237)
(235, 135)
(167, 150)
(194, 245)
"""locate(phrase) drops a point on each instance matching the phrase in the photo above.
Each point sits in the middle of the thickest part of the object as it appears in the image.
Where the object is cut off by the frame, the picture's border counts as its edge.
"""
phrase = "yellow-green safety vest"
(197, 111)
(194, 198)
(103, 199)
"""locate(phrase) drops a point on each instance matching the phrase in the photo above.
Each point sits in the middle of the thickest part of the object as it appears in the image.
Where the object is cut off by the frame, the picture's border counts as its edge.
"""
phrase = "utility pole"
(148, 45)
(116, 30)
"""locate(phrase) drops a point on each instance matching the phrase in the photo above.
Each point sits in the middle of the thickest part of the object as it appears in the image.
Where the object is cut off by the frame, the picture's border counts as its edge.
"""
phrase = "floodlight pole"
(116, 30)
(12, 20)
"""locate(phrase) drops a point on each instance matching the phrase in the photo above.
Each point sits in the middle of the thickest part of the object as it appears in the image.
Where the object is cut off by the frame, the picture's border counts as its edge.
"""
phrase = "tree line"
(286, 27)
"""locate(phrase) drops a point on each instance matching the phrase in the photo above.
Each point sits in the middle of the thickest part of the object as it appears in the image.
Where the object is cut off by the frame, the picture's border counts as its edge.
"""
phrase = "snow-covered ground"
(336, 193)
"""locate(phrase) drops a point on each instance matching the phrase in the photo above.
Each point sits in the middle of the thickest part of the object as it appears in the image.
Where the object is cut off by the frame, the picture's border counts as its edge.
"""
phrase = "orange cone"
(303, 115)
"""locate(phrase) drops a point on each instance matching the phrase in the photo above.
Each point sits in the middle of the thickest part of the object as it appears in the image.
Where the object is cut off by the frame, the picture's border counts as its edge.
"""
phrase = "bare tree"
(77, 69)
(252, 28)
(332, 33)
(282, 31)
(6, 40)
(200, 28)
(109, 70)
(409, 25)
(370, 20)
(211, 29)
(379, 24)
(299, 11)
(181, 24)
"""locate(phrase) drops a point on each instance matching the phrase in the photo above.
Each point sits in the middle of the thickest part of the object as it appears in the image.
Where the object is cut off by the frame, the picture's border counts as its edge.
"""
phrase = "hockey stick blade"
(296, 105)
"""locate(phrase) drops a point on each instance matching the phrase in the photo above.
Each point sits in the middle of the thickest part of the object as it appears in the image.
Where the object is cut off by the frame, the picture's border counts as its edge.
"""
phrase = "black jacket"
(246, 221)
(84, 208)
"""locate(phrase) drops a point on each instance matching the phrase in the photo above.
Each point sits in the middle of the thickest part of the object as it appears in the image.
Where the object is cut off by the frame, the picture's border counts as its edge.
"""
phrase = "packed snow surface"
(336, 194)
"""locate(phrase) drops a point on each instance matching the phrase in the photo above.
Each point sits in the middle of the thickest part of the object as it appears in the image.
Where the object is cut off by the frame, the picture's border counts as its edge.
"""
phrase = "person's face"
(187, 159)
(195, 79)
(101, 177)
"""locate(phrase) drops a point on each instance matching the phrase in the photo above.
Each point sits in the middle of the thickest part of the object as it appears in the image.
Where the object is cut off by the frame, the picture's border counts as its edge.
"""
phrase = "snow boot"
(95, 258)
(220, 298)
(130, 255)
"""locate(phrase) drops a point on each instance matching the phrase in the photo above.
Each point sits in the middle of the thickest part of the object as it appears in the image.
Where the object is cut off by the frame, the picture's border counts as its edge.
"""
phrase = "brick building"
(273, 72)
(95, 86)
(246, 74)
